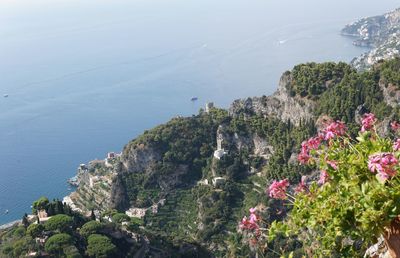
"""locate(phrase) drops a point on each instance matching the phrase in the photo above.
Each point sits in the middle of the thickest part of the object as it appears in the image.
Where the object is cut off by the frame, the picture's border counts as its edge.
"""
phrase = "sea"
(79, 78)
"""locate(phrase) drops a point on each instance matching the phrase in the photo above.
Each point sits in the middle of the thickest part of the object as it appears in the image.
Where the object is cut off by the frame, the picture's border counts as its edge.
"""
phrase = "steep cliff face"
(139, 158)
(381, 33)
(280, 105)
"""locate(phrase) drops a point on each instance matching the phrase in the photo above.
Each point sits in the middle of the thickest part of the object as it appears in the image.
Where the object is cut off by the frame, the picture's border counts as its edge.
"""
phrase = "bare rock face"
(281, 105)
(139, 158)
(118, 195)
(226, 139)
(262, 148)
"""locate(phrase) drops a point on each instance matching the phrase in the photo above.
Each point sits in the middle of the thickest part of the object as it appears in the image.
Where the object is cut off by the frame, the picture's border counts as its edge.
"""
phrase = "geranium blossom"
(251, 222)
(303, 157)
(395, 125)
(396, 145)
(337, 128)
(368, 122)
(323, 177)
(384, 164)
(306, 146)
(277, 189)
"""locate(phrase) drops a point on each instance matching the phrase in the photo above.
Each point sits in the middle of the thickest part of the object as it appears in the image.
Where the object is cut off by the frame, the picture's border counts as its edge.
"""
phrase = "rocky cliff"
(280, 105)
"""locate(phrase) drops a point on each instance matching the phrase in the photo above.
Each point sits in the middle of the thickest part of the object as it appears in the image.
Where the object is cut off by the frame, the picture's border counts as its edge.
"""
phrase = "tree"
(91, 227)
(22, 246)
(72, 252)
(40, 204)
(120, 217)
(100, 246)
(60, 222)
(92, 215)
(34, 230)
(25, 221)
(56, 244)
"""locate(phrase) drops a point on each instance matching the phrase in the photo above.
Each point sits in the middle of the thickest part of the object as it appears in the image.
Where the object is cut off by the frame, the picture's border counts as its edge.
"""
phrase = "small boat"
(194, 98)
(6, 212)
(5, 95)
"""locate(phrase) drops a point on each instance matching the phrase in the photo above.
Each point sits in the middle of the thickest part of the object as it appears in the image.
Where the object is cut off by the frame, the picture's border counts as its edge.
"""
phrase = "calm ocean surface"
(85, 77)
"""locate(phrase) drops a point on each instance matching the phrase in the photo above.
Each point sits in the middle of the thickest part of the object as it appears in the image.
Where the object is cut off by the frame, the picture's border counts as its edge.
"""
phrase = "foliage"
(56, 244)
(357, 196)
(390, 71)
(100, 246)
(120, 217)
(60, 222)
(40, 204)
(91, 227)
(313, 79)
(34, 230)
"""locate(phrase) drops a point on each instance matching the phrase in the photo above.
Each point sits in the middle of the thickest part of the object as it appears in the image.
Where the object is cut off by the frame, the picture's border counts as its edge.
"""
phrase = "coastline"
(10, 224)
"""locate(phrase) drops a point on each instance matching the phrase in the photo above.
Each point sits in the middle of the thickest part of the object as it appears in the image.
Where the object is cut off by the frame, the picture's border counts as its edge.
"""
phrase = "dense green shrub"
(60, 222)
(100, 246)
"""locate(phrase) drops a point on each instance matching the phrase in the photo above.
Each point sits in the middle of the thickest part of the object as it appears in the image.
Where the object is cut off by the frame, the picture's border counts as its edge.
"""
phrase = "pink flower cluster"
(384, 164)
(395, 125)
(368, 122)
(306, 146)
(323, 177)
(302, 186)
(337, 128)
(250, 223)
(278, 189)
(333, 130)
(396, 145)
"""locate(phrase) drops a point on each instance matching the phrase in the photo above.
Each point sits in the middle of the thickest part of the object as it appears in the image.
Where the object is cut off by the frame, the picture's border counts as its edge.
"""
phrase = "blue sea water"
(85, 77)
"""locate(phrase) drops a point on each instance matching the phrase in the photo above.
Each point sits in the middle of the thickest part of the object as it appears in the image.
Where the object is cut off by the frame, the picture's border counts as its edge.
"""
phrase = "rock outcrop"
(280, 105)
(139, 158)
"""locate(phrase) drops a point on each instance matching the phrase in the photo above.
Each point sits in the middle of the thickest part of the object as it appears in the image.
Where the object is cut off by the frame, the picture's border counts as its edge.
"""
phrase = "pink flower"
(395, 125)
(313, 143)
(368, 122)
(303, 157)
(396, 145)
(384, 164)
(332, 163)
(374, 163)
(329, 135)
(302, 187)
(253, 218)
(337, 128)
(323, 178)
(249, 224)
(277, 189)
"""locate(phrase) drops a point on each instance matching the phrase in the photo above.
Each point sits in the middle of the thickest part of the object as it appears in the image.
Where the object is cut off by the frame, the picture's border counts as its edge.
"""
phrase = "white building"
(136, 212)
(218, 181)
(218, 154)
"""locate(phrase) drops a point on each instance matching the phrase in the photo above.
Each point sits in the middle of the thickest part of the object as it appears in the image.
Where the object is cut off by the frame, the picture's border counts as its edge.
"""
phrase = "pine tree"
(25, 221)
(92, 216)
